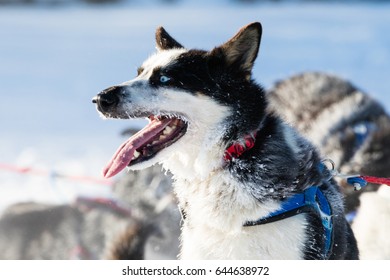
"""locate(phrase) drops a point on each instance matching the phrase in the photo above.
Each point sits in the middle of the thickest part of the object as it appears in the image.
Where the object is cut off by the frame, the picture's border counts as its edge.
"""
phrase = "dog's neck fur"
(211, 193)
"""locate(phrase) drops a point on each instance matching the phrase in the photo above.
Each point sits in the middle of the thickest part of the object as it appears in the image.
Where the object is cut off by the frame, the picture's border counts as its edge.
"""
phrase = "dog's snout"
(108, 99)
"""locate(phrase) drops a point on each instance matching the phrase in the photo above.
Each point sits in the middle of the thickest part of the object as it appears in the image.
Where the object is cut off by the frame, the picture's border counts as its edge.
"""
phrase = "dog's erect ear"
(241, 51)
(164, 41)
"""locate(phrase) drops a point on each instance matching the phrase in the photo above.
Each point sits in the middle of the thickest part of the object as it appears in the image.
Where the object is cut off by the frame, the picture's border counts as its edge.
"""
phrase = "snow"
(54, 60)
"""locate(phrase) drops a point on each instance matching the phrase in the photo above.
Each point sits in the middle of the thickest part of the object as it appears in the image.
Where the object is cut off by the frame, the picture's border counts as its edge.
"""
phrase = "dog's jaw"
(161, 132)
(199, 151)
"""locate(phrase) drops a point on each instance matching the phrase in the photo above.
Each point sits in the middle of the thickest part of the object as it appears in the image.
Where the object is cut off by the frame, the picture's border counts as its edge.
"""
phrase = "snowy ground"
(54, 60)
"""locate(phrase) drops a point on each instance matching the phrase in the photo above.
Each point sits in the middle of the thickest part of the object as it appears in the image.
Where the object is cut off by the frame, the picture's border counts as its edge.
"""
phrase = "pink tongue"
(124, 154)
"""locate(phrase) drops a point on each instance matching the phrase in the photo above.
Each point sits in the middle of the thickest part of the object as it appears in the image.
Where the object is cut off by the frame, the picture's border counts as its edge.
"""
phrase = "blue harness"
(311, 200)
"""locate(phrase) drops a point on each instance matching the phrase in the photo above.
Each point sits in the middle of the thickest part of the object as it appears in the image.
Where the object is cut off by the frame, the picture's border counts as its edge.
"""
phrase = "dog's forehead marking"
(162, 58)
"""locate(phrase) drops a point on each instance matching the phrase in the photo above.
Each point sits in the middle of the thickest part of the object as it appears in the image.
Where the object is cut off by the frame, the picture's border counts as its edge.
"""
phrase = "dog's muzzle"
(107, 100)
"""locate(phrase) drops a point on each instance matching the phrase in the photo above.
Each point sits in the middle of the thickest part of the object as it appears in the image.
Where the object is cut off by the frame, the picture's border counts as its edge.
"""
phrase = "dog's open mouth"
(160, 133)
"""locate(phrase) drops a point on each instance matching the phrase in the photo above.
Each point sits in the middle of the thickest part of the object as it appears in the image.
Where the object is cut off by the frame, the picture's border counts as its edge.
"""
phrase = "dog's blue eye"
(164, 79)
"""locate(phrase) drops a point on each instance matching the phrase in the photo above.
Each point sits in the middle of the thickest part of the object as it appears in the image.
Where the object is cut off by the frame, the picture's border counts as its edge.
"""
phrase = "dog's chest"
(216, 209)
(281, 240)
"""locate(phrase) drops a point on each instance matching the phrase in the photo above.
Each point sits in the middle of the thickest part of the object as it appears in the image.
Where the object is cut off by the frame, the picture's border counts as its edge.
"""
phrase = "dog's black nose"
(108, 99)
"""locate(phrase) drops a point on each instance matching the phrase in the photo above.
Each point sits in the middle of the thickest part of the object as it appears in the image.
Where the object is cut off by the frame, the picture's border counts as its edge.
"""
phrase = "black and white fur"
(213, 92)
(334, 113)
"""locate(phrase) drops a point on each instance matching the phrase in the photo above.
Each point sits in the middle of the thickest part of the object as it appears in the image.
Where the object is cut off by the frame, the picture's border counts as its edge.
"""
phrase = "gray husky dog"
(248, 185)
(352, 129)
(345, 123)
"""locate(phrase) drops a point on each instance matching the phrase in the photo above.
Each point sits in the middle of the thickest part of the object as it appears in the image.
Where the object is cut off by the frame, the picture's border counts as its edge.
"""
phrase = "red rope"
(41, 172)
(376, 180)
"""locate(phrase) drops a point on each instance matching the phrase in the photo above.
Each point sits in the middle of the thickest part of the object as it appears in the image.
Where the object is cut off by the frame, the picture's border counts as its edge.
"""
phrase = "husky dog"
(86, 229)
(347, 125)
(248, 185)
(353, 130)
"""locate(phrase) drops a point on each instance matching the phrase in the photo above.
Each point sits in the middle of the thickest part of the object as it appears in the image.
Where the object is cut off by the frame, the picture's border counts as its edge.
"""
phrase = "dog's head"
(192, 97)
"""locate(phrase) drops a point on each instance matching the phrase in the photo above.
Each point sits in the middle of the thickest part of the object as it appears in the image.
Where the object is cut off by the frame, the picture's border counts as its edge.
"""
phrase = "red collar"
(238, 148)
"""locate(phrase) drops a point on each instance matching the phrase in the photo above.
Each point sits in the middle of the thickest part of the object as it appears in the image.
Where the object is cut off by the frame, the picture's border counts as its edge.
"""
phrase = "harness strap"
(311, 200)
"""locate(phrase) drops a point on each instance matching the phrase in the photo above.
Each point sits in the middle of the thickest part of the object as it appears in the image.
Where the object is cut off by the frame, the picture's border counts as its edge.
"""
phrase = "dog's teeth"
(136, 154)
(167, 130)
